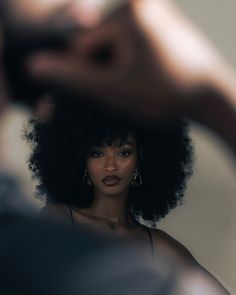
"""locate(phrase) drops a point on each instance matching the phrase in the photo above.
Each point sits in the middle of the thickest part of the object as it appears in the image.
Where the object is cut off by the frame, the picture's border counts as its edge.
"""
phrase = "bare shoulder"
(59, 212)
(166, 245)
(177, 254)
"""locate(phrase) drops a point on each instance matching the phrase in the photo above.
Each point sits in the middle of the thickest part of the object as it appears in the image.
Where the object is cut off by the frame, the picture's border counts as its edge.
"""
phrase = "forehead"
(129, 140)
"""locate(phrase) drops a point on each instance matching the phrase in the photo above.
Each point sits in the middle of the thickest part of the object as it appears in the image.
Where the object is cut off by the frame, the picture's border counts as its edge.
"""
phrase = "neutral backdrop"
(206, 222)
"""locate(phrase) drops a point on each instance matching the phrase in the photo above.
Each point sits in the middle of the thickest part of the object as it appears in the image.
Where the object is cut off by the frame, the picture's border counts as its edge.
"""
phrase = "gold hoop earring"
(86, 178)
(137, 179)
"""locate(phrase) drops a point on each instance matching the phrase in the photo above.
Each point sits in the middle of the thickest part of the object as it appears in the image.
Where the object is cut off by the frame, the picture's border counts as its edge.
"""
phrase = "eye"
(96, 154)
(125, 153)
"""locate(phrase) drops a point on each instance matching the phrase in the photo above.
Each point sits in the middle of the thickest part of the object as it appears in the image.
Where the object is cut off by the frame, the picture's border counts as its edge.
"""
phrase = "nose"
(111, 164)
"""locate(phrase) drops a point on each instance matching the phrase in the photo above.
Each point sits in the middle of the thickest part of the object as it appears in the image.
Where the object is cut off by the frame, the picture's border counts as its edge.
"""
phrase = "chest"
(139, 236)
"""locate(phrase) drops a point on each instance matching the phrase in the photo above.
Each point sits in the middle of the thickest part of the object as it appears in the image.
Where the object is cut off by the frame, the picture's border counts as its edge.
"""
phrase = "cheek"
(93, 168)
(129, 167)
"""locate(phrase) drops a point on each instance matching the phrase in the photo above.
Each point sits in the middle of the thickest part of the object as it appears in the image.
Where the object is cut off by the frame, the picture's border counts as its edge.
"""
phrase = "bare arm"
(192, 278)
(160, 65)
(194, 65)
(147, 72)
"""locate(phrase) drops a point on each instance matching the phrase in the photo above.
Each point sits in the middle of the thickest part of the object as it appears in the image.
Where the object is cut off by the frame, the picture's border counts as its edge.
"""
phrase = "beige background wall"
(206, 223)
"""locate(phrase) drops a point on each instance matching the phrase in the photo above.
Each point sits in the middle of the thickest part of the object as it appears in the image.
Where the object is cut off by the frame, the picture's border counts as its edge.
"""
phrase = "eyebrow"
(125, 143)
(120, 144)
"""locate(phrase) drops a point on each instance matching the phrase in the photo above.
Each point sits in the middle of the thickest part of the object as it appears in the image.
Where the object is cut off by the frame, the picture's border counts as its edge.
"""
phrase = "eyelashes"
(96, 154)
(100, 153)
(125, 153)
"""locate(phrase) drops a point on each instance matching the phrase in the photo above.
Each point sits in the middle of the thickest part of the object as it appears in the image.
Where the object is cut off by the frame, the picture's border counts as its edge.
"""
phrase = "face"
(111, 168)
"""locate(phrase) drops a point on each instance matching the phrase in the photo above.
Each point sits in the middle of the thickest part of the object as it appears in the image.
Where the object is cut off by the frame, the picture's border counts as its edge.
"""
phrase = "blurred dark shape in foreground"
(38, 257)
(12, 198)
(42, 257)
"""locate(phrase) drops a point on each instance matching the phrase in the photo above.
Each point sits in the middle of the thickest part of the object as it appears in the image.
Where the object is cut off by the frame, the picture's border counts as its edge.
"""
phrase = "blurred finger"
(90, 13)
(98, 55)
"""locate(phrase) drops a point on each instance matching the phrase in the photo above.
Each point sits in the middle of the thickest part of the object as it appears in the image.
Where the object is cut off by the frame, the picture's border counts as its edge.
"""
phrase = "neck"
(110, 207)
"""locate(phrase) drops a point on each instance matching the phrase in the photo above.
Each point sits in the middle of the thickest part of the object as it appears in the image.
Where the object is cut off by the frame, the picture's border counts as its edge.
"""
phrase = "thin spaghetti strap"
(148, 232)
(151, 240)
(71, 215)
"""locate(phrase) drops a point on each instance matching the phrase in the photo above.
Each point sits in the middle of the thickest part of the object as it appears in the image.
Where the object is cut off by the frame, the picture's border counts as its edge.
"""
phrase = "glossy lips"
(111, 180)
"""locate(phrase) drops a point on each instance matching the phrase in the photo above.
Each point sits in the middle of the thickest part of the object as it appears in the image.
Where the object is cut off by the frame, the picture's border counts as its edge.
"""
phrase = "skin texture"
(117, 160)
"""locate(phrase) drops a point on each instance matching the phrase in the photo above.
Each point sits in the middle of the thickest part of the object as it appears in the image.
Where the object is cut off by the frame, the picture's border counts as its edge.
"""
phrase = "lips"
(111, 180)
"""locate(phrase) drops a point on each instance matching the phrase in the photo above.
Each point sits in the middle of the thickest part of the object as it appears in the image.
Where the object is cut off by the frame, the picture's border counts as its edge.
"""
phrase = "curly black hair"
(61, 146)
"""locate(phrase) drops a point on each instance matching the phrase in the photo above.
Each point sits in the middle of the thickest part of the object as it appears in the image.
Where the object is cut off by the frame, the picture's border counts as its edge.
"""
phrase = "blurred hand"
(38, 11)
(145, 58)
(34, 10)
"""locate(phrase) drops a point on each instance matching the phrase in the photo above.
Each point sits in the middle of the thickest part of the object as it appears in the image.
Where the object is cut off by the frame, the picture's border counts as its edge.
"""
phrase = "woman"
(98, 169)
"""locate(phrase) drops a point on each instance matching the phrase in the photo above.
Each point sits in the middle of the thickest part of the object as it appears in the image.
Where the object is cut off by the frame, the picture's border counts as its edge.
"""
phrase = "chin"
(113, 191)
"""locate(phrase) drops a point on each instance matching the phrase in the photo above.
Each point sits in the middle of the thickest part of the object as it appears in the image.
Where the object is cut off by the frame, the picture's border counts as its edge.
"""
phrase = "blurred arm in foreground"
(127, 62)
(148, 59)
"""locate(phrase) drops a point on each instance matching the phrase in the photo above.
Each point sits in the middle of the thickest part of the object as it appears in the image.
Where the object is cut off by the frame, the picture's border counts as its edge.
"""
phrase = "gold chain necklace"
(111, 224)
